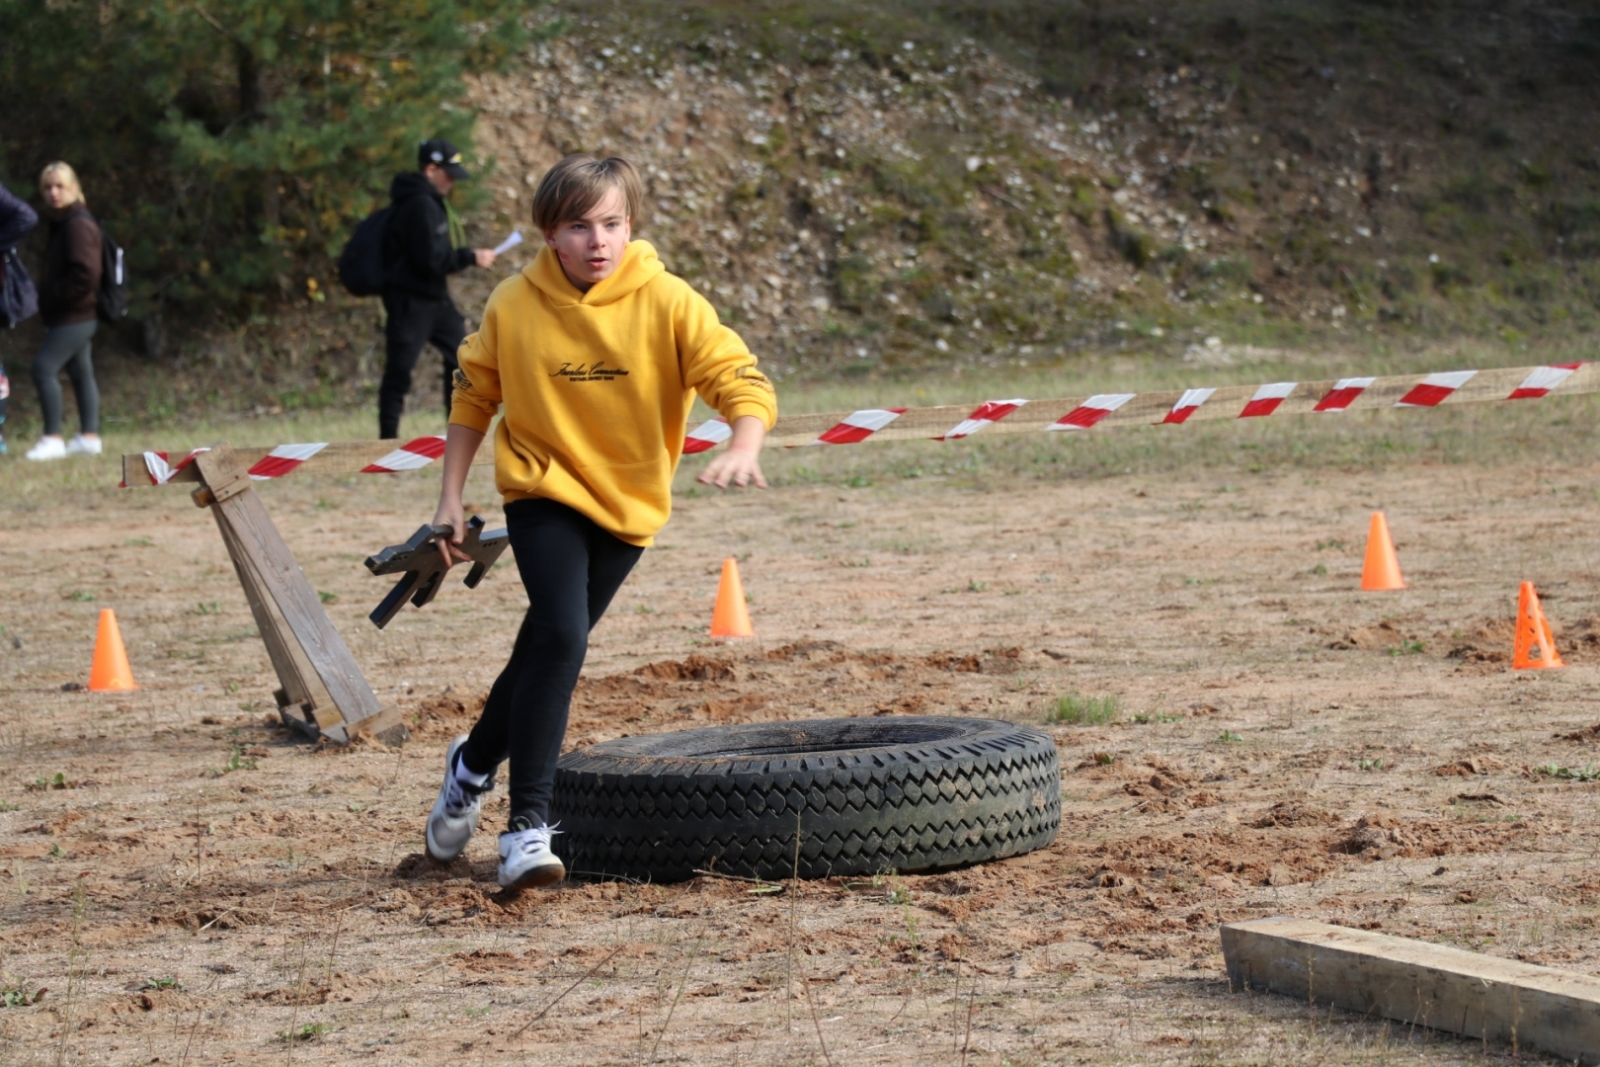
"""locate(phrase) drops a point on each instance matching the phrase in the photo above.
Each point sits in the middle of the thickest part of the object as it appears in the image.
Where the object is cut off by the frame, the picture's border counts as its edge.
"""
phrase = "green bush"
(231, 147)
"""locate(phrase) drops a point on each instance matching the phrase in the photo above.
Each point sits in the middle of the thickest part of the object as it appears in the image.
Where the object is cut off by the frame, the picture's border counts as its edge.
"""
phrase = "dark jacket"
(17, 219)
(19, 299)
(70, 281)
(416, 243)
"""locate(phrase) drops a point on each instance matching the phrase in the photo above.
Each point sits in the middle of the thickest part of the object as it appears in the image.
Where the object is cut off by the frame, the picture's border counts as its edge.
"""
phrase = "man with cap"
(421, 247)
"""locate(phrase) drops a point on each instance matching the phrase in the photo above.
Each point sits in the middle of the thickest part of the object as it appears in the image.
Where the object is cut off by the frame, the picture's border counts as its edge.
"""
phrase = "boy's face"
(438, 178)
(591, 247)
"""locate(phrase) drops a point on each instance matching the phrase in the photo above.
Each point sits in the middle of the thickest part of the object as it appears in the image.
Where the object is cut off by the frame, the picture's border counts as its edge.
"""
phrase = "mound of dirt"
(1293, 813)
(1468, 767)
(1383, 635)
(696, 668)
(446, 715)
(1382, 837)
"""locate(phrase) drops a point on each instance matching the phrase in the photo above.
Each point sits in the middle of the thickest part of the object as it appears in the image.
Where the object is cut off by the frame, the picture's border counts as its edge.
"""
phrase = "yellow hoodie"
(597, 386)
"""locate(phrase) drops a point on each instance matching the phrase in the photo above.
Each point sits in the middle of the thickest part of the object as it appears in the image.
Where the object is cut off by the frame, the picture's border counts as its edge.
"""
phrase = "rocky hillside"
(880, 188)
(1010, 181)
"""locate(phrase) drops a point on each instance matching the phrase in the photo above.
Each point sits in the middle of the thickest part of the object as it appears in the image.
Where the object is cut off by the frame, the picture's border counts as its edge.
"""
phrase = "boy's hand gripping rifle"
(425, 568)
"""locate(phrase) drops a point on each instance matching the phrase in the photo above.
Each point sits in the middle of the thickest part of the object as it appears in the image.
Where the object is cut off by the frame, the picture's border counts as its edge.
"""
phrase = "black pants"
(67, 346)
(571, 569)
(412, 323)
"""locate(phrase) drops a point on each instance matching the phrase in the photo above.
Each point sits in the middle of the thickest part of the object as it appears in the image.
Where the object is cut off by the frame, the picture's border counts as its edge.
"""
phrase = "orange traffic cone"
(110, 672)
(1533, 635)
(730, 618)
(1381, 570)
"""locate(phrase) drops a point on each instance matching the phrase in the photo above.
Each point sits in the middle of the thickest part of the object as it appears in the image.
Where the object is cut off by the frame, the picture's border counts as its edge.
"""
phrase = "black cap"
(444, 154)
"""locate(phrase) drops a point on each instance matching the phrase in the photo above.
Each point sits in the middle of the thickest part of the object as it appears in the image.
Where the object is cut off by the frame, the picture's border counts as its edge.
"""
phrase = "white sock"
(469, 777)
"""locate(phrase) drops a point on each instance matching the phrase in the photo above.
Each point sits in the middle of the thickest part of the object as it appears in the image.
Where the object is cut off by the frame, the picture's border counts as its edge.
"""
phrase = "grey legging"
(67, 346)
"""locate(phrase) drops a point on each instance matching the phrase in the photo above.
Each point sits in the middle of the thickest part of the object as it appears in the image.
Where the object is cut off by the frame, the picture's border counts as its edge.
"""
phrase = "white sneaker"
(526, 861)
(455, 813)
(84, 446)
(48, 448)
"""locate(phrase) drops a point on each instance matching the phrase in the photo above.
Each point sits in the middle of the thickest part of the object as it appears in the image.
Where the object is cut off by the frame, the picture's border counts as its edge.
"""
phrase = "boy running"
(594, 354)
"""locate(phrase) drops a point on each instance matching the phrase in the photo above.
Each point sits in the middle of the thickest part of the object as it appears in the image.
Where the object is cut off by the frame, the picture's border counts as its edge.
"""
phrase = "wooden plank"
(924, 423)
(1484, 998)
(253, 534)
(387, 726)
(301, 690)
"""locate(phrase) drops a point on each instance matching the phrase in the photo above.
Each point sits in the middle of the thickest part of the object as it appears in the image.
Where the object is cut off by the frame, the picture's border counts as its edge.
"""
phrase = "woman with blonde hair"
(69, 287)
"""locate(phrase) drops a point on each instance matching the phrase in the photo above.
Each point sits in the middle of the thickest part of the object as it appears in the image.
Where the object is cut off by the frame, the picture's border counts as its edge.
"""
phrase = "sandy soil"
(191, 884)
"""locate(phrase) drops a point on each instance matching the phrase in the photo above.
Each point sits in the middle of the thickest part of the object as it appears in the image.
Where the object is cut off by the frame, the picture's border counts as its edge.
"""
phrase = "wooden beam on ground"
(1484, 998)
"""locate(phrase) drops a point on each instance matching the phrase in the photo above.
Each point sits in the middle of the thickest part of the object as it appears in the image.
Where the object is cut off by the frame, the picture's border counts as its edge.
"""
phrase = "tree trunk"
(252, 84)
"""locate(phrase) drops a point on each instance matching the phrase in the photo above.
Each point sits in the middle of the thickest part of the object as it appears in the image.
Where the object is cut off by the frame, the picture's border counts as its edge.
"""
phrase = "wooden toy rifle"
(425, 567)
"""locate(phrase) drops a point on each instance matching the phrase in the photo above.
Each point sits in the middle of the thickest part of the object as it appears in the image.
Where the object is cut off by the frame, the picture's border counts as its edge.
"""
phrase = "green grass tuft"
(1075, 709)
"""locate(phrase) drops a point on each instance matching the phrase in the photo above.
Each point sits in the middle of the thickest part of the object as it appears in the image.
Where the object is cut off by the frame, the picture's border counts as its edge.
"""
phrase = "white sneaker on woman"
(526, 861)
(48, 448)
(84, 446)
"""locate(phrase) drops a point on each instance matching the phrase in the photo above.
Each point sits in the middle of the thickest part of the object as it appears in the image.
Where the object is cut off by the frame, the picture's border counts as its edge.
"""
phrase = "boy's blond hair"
(66, 172)
(570, 189)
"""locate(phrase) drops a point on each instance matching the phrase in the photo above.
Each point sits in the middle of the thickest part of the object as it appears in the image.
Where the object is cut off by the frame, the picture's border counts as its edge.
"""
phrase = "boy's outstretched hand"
(741, 463)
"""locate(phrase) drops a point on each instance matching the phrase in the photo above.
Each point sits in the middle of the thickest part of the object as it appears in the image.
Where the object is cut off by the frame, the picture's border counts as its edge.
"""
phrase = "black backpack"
(19, 300)
(111, 303)
(361, 265)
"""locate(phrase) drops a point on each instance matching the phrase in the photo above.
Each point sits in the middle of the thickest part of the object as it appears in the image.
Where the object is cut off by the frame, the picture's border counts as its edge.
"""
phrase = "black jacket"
(16, 219)
(69, 284)
(416, 243)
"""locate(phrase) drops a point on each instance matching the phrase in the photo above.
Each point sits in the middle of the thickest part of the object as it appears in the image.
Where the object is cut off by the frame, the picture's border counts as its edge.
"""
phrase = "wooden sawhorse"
(323, 692)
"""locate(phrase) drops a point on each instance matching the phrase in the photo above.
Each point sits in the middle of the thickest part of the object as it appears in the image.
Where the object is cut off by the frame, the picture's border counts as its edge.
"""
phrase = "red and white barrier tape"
(282, 460)
(413, 455)
(858, 426)
(1343, 394)
(1091, 411)
(1435, 389)
(988, 413)
(706, 436)
(160, 472)
(286, 459)
(1541, 380)
(1169, 408)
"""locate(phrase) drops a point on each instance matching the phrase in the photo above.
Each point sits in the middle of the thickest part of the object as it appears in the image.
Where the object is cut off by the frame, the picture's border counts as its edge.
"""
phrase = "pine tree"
(231, 145)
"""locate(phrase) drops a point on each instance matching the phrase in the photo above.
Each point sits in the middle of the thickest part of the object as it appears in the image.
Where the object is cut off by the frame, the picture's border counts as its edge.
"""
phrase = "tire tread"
(911, 807)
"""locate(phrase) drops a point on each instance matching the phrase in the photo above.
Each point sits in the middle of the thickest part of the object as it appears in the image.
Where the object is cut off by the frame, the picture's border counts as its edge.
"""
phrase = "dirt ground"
(184, 882)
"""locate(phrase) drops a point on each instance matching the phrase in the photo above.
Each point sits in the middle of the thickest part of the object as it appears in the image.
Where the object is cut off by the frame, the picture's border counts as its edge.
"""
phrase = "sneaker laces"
(460, 798)
(530, 838)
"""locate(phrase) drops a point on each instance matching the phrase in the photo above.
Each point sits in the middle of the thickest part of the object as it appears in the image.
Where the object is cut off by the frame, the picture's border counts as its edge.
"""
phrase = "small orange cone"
(1533, 635)
(110, 672)
(1382, 567)
(730, 618)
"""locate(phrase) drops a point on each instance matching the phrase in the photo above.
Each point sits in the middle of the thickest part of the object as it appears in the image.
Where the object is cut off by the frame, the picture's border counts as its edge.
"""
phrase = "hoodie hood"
(410, 184)
(640, 265)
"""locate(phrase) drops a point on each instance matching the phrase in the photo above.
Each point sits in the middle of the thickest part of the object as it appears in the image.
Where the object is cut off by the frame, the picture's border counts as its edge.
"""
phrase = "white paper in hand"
(509, 243)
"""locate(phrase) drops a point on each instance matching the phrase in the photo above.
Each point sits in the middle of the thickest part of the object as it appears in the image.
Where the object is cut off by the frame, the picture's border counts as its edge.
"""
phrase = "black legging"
(571, 569)
(67, 346)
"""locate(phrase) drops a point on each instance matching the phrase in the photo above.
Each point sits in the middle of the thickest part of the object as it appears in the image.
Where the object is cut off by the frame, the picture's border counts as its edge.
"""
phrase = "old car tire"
(868, 795)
